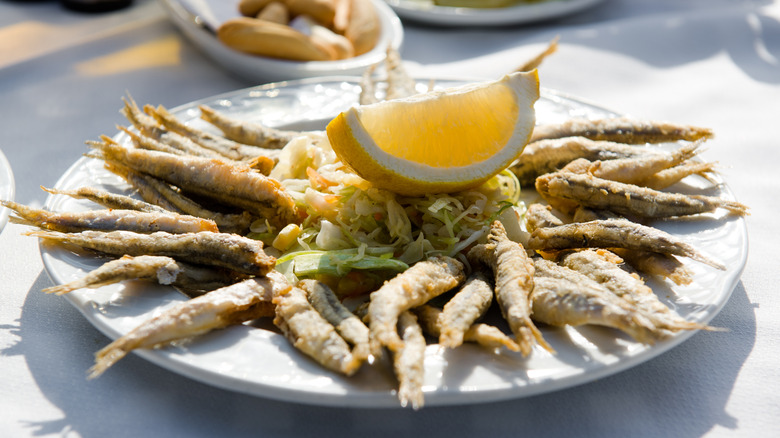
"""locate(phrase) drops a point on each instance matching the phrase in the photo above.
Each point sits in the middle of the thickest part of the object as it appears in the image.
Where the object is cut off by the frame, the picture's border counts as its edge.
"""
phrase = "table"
(711, 63)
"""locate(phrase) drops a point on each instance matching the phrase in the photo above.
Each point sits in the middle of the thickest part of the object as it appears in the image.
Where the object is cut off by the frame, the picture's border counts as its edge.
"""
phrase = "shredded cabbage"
(377, 227)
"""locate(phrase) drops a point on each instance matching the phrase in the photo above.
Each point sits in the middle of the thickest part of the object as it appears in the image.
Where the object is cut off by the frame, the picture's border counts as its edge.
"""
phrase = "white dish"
(261, 362)
(7, 187)
(426, 12)
(197, 20)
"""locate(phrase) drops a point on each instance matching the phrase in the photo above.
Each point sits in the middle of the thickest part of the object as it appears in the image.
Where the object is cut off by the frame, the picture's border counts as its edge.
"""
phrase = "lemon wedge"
(441, 141)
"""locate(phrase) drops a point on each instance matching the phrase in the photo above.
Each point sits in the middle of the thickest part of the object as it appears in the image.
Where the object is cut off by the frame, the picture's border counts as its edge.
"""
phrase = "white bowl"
(261, 69)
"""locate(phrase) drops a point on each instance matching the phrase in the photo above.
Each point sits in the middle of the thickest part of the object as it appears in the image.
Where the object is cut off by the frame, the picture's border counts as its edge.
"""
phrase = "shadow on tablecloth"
(136, 397)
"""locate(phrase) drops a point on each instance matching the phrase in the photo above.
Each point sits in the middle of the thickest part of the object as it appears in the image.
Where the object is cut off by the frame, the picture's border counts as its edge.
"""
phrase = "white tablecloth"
(711, 63)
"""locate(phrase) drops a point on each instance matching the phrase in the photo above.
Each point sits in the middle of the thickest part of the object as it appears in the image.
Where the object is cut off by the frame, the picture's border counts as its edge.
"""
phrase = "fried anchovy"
(546, 156)
(349, 326)
(614, 233)
(153, 131)
(633, 170)
(141, 185)
(108, 199)
(311, 334)
(413, 287)
(249, 133)
(513, 272)
(562, 297)
(230, 251)
(464, 308)
(108, 220)
(221, 145)
(566, 191)
(602, 266)
(648, 262)
(622, 130)
(229, 183)
(230, 305)
(190, 278)
(408, 363)
(162, 192)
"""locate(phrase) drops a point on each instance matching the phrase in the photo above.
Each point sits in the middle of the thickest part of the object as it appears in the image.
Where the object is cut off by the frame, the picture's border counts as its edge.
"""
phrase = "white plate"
(260, 361)
(6, 187)
(425, 11)
(197, 20)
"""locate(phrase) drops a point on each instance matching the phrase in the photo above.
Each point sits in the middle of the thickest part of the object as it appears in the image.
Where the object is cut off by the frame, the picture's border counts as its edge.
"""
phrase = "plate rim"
(462, 16)
(438, 397)
(7, 187)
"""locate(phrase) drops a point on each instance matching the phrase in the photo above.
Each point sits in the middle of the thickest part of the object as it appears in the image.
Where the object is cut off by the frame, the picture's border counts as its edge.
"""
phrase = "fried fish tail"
(537, 60)
(368, 87)
(150, 130)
